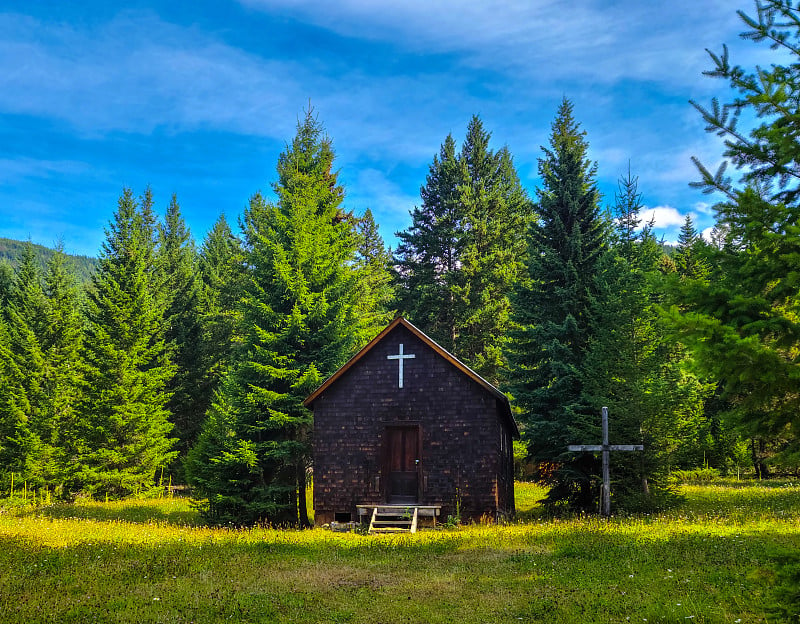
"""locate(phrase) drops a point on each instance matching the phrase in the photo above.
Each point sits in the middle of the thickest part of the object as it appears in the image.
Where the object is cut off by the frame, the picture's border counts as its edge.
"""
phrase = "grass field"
(710, 560)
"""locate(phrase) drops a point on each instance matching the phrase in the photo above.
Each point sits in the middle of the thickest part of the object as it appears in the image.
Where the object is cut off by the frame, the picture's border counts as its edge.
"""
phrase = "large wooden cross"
(606, 448)
(400, 357)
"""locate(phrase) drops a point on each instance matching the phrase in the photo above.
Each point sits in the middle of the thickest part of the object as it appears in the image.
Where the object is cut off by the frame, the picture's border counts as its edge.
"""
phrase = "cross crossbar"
(608, 447)
(605, 448)
(400, 357)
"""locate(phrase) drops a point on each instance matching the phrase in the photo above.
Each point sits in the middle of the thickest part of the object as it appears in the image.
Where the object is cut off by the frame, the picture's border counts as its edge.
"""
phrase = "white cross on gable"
(400, 357)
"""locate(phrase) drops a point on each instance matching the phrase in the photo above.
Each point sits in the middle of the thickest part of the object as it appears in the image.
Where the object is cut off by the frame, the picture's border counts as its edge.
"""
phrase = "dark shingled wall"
(462, 454)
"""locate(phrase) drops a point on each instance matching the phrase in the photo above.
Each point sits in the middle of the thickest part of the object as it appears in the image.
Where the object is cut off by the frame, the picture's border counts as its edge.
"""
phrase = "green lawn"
(710, 560)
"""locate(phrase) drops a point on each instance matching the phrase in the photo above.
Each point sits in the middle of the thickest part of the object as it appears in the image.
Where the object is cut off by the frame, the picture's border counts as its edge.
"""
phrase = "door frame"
(386, 457)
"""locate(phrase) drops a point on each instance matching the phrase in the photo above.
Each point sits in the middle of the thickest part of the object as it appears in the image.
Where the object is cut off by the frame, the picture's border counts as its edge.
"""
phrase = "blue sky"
(199, 98)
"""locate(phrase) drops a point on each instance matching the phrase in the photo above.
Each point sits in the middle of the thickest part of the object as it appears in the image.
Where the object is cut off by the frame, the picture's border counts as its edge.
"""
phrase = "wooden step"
(388, 520)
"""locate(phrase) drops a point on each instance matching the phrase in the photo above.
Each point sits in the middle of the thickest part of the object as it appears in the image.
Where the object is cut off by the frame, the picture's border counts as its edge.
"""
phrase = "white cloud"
(14, 170)
(589, 39)
(706, 233)
(662, 216)
(136, 73)
(704, 208)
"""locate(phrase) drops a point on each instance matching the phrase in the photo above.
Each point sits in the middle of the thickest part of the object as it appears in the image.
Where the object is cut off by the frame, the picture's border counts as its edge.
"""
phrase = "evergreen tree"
(552, 307)
(742, 323)
(6, 280)
(374, 264)
(464, 249)
(180, 281)
(62, 383)
(430, 251)
(301, 319)
(221, 266)
(632, 368)
(124, 426)
(17, 448)
(497, 213)
(30, 457)
(690, 262)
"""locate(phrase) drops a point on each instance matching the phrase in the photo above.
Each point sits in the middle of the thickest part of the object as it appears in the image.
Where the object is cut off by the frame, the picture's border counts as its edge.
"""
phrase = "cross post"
(400, 357)
(605, 448)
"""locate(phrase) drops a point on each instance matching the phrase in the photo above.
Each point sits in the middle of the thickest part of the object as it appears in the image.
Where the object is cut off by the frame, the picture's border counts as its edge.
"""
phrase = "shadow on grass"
(535, 578)
(140, 512)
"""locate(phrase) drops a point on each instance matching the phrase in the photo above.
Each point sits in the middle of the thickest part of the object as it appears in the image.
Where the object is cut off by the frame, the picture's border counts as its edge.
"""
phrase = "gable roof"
(506, 407)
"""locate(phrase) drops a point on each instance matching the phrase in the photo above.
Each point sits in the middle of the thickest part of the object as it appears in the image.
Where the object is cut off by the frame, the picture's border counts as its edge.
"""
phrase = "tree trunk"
(756, 453)
(301, 495)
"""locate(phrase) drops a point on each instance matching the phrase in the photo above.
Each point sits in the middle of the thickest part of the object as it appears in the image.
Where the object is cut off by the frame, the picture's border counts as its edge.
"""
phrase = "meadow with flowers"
(723, 555)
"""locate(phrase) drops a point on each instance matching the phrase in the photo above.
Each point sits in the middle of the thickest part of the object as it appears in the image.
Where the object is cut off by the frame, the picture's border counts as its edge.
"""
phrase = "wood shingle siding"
(444, 438)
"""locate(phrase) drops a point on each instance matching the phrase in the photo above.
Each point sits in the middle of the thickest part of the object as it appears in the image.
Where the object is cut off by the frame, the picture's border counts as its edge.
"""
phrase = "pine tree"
(301, 319)
(124, 426)
(552, 312)
(690, 262)
(497, 213)
(742, 325)
(17, 449)
(374, 265)
(632, 368)
(6, 280)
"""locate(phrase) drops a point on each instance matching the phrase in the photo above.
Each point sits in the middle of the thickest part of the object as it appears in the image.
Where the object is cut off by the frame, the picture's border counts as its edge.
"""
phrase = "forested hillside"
(11, 251)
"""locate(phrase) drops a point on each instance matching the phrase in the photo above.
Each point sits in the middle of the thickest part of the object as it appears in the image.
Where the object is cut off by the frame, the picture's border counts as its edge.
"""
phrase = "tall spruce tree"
(497, 213)
(124, 428)
(301, 318)
(17, 448)
(374, 263)
(28, 455)
(430, 251)
(464, 249)
(41, 352)
(6, 280)
(180, 280)
(61, 344)
(552, 312)
(221, 265)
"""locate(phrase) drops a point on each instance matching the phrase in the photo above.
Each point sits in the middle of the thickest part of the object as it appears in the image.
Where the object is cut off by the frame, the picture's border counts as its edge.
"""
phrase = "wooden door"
(402, 464)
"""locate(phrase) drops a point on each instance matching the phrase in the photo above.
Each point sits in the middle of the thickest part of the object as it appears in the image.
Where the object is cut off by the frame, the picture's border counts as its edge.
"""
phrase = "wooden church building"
(405, 423)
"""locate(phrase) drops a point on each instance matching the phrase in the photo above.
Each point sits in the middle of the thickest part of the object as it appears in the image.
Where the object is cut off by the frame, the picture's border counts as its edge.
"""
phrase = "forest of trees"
(189, 363)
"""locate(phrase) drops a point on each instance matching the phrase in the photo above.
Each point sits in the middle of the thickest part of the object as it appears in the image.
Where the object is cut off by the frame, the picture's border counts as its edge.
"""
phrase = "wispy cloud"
(14, 170)
(137, 73)
(602, 41)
